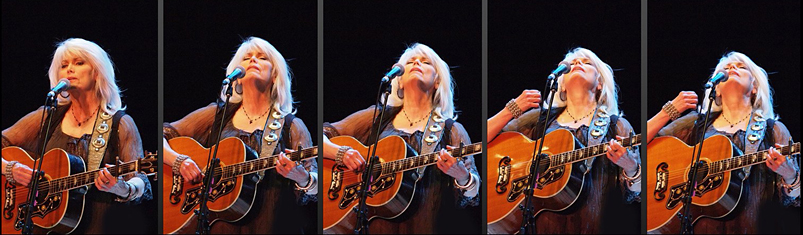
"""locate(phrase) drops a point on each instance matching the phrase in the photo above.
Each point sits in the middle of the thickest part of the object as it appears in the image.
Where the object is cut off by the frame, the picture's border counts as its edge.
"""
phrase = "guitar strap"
(596, 130)
(270, 136)
(754, 136)
(100, 138)
(433, 133)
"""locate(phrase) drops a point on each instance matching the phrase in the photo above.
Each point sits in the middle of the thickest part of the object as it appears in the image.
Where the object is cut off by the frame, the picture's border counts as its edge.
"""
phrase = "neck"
(417, 104)
(736, 107)
(580, 102)
(255, 100)
(83, 104)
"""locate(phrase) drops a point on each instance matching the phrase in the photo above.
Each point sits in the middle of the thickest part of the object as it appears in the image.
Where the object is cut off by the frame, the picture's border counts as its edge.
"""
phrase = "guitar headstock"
(148, 165)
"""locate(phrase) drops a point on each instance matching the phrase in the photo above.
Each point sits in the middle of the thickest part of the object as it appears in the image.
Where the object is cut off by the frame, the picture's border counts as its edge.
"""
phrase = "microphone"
(562, 68)
(63, 85)
(238, 73)
(720, 76)
(395, 71)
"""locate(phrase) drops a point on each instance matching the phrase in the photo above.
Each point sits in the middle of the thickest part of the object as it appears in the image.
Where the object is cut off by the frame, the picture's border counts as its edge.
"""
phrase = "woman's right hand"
(22, 174)
(353, 160)
(684, 101)
(190, 171)
(528, 99)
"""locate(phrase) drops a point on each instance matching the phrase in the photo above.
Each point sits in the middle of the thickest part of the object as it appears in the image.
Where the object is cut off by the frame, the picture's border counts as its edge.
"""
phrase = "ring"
(105, 182)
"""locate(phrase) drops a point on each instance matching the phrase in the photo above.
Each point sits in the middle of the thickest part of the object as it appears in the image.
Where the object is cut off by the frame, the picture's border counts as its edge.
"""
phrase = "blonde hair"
(608, 97)
(762, 105)
(443, 99)
(280, 92)
(105, 85)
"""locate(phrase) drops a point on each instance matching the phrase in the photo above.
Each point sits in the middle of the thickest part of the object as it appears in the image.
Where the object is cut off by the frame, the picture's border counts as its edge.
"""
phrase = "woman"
(425, 88)
(744, 98)
(587, 88)
(93, 93)
(264, 90)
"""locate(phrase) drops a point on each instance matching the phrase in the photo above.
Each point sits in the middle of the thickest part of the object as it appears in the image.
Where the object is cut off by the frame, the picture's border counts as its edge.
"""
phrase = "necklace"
(410, 121)
(577, 119)
(257, 118)
(87, 118)
(740, 121)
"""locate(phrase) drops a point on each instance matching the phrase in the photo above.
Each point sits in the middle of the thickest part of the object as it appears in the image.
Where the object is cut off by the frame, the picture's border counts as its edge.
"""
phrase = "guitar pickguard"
(708, 183)
(504, 174)
(219, 190)
(676, 194)
(517, 188)
(662, 179)
(351, 191)
(8, 202)
(550, 176)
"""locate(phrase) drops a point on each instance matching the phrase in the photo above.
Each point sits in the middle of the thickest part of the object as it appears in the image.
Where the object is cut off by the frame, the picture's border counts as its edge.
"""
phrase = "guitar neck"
(751, 159)
(87, 178)
(428, 159)
(589, 152)
(266, 163)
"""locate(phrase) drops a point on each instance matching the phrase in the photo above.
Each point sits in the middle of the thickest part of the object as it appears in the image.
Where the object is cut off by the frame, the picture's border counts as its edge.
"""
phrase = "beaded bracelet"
(671, 110)
(177, 164)
(514, 108)
(340, 153)
(10, 175)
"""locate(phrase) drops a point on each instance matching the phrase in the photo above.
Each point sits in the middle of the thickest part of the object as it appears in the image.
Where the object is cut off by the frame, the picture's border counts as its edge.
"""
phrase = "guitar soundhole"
(337, 180)
(351, 192)
(661, 180)
(218, 190)
(8, 202)
(504, 175)
(175, 190)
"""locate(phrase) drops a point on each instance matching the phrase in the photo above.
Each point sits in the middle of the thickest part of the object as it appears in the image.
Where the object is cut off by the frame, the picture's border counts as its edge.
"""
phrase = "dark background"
(363, 39)
(526, 41)
(201, 38)
(686, 41)
(126, 30)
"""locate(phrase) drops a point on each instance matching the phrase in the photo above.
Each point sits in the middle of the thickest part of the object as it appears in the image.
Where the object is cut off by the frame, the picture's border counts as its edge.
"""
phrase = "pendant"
(411, 124)
(575, 121)
(731, 126)
(249, 121)
(79, 124)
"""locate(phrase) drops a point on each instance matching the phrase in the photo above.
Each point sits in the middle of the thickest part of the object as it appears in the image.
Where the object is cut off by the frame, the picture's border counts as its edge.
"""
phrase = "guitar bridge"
(218, 190)
(504, 175)
(351, 192)
(337, 180)
(661, 180)
(175, 190)
(8, 202)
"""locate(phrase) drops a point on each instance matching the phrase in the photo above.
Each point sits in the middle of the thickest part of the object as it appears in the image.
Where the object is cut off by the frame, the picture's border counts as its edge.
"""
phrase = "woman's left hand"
(619, 155)
(452, 167)
(289, 169)
(780, 165)
(107, 183)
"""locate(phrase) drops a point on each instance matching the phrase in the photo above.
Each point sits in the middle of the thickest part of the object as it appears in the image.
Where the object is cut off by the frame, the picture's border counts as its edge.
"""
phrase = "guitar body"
(58, 212)
(509, 159)
(388, 197)
(230, 199)
(716, 195)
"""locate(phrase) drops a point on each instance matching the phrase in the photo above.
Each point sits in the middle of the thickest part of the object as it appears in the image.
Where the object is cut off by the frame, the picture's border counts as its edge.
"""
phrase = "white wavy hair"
(443, 99)
(762, 105)
(280, 93)
(608, 98)
(105, 85)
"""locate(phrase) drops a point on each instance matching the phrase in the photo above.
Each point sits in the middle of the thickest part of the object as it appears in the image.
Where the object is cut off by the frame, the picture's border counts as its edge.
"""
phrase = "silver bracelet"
(794, 185)
(10, 175)
(131, 189)
(308, 186)
(671, 110)
(177, 163)
(632, 180)
(514, 108)
(340, 153)
(463, 187)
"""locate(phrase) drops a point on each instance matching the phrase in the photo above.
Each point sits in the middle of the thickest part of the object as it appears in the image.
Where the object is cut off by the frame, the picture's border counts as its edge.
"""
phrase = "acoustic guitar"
(391, 191)
(718, 187)
(561, 175)
(234, 183)
(59, 203)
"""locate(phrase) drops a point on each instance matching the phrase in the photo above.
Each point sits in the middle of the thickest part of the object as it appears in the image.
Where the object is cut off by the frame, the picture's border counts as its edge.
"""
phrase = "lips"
(578, 68)
(72, 78)
(416, 69)
(253, 67)
(732, 73)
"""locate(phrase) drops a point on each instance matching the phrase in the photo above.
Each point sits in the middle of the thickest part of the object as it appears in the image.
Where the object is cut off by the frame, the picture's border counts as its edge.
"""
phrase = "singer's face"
(78, 71)
(418, 70)
(257, 66)
(582, 73)
(739, 79)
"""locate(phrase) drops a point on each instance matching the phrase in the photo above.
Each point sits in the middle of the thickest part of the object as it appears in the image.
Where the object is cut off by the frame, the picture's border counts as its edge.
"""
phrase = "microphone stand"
(367, 174)
(528, 218)
(691, 184)
(33, 186)
(212, 163)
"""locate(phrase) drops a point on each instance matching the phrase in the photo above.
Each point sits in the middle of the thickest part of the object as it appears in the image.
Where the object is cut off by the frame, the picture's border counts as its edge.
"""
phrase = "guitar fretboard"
(750, 159)
(427, 159)
(255, 165)
(589, 152)
(87, 178)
